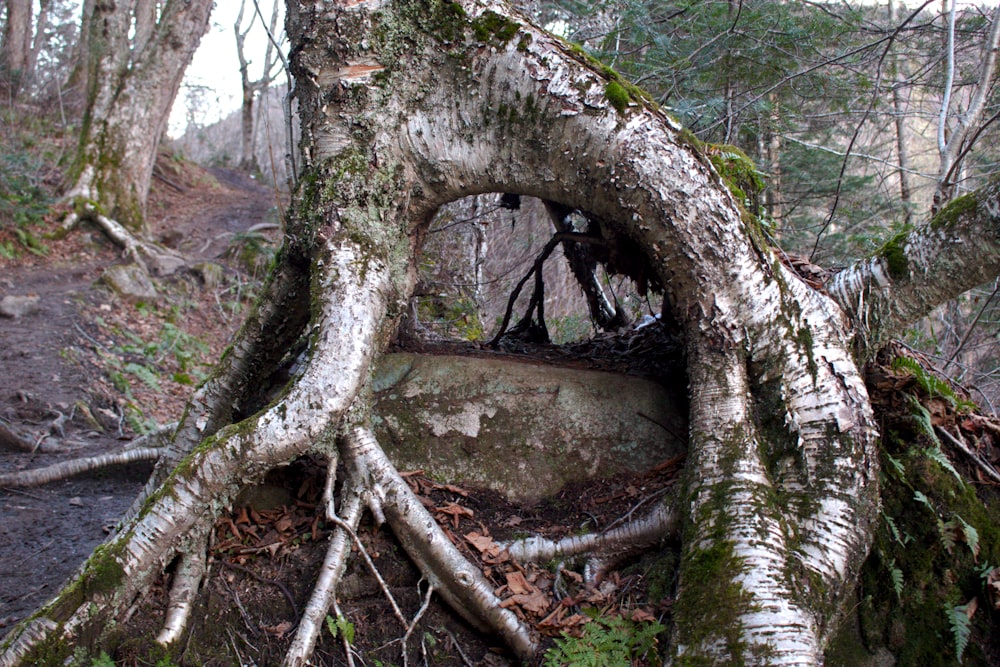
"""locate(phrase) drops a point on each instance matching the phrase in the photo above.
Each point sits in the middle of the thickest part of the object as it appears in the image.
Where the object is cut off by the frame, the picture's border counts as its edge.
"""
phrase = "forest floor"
(87, 370)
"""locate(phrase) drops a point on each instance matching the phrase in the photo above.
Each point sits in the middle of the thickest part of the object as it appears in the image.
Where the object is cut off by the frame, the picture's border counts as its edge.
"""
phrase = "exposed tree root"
(144, 448)
(153, 259)
(183, 591)
(458, 581)
(66, 469)
(10, 438)
(613, 544)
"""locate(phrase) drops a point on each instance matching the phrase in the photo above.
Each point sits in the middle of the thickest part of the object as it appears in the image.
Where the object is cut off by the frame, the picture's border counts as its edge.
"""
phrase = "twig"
(265, 580)
(458, 647)
(416, 619)
(985, 466)
(371, 566)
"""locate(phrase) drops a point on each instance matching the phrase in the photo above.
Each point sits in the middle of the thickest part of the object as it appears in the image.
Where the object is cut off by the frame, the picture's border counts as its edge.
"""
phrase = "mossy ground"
(924, 562)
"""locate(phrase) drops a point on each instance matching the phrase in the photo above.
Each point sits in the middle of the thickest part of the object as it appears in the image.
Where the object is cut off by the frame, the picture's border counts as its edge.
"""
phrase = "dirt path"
(65, 361)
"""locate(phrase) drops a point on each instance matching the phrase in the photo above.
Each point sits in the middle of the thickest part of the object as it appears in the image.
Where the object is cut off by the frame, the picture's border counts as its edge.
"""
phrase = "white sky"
(216, 67)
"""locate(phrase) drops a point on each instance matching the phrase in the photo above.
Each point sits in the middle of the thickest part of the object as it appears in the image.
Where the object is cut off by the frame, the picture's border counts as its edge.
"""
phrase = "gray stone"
(209, 273)
(522, 429)
(19, 306)
(130, 282)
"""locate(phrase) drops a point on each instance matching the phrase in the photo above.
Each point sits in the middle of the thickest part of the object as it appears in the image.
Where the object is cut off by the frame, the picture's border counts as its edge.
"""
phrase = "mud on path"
(84, 369)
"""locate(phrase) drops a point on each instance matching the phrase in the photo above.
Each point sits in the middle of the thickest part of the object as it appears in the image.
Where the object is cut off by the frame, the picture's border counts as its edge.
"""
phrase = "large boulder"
(522, 429)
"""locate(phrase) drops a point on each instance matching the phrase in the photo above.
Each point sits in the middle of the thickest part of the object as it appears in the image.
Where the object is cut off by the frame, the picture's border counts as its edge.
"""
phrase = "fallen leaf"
(279, 630)
(455, 511)
(642, 616)
(536, 603)
(993, 586)
(518, 585)
(484, 544)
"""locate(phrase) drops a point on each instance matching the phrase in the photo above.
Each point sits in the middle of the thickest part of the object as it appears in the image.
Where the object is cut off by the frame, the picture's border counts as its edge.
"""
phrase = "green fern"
(930, 383)
(925, 425)
(340, 626)
(607, 642)
(103, 660)
(896, 575)
(961, 627)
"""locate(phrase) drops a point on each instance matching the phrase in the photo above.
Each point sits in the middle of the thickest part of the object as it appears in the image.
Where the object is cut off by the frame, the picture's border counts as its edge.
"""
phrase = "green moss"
(103, 572)
(921, 564)
(617, 96)
(492, 28)
(895, 256)
(956, 209)
(739, 173)
(710, 603)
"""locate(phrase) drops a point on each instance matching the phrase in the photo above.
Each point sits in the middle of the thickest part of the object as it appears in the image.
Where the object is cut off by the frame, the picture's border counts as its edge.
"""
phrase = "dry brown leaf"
(518, 585)
(641, 616)
(536, 603)
(484, 544)
(993, 586)
(279, 630)
(455, 511)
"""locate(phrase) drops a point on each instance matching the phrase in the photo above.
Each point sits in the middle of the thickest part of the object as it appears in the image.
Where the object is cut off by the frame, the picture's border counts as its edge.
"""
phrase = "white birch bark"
(405, 109)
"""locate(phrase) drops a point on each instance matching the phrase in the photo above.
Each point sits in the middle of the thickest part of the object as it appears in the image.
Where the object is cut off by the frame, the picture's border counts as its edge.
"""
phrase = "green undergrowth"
(923, 591)
(607, 641)
(28, 155)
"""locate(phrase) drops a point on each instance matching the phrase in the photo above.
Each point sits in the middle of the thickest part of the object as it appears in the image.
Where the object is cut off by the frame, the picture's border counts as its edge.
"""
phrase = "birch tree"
(136, 57)
(407, 105)
(253, 89)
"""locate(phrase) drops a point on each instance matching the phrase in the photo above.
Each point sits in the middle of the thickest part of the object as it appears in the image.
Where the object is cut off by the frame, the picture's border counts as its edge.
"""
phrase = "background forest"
(838, 124)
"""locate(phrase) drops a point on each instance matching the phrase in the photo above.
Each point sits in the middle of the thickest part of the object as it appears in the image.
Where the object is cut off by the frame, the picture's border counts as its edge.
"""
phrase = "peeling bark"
(407, 105)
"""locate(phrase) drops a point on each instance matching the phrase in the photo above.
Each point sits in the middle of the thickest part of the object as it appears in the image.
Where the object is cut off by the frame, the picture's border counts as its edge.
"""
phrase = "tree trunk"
(15, 49)
(130, 93)
(407, 105)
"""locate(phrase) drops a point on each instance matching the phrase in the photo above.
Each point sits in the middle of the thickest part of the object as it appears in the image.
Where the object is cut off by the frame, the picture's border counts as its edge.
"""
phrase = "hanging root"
(184, 590)
(458, 581)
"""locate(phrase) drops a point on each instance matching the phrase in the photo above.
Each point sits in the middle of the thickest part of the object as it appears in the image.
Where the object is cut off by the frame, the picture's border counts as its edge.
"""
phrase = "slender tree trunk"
(15, 48)
(902, 135)
(77, 83)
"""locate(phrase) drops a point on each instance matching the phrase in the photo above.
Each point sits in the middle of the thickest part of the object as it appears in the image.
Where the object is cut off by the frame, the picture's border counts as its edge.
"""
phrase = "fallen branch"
(960, 445)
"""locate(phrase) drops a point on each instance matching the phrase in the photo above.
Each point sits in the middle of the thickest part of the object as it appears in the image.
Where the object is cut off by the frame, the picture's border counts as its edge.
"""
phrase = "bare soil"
(57, 392)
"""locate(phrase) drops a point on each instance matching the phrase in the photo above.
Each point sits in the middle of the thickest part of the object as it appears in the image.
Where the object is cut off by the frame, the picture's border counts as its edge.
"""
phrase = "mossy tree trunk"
(136, 58)
(409, 104)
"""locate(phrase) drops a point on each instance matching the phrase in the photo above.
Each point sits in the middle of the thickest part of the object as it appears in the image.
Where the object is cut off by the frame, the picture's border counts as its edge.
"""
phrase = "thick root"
(610, 545)
(459, 582)
(183, 592)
